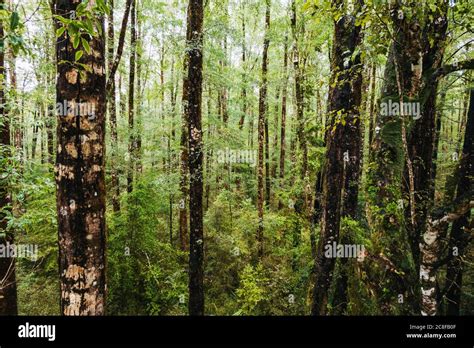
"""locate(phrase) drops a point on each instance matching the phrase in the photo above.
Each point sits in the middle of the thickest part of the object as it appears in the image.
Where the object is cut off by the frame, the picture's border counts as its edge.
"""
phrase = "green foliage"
(146, 274)
(252, 290)
(38, 292)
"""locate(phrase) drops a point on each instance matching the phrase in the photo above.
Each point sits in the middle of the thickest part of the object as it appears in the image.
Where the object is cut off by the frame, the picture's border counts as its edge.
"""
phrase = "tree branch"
(450, 68)
(452, 212)
(121, 41)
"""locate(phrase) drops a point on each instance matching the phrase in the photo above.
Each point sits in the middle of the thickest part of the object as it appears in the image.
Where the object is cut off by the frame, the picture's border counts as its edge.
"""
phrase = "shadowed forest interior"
(236, 157)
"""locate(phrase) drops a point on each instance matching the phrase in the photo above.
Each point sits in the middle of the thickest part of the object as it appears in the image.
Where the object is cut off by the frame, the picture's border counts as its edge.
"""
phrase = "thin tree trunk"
(132, 142)
(194, 101)
(283, 114)
(184, 170)
(138, 106)
(276, 123)
(262, 107)
(299, 93)
(372, 103)
(112, 110)
(244, 75)
(34, 140)
(49, 133)
(267, 161)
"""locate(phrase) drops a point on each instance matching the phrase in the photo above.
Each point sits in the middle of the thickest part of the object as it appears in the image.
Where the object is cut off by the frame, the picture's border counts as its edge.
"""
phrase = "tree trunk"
(49, 133)
(132, 142)
(267, 161)
(422, 137)
(372, 108)
(276, 119)
(389, 152)
(80, 174)
(184, 171)
(8, 296)
(244, 75)
(262, 107)
(459, 232)
(112, 109)
(283, 114)
(194, 101)
(300, 128)
(138, 106)
(34, 140)
(342, 162)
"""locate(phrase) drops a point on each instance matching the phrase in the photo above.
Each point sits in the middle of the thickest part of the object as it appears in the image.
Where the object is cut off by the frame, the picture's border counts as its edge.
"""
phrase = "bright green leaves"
(14, 21)
(82, 25)
(102, 7)
(78, 55)
(60, 31)
(13, 31)
(85, 45)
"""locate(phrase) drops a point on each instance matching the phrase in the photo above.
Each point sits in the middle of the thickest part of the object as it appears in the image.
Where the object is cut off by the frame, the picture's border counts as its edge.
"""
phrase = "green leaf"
(79, 55)
(89, 26)
(86, 46)
(80, 8)
(76, 41)
(60, 31)
(14, 20)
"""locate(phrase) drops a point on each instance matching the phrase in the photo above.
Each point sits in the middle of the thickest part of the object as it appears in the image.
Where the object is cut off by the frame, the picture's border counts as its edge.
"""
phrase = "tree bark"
(422, 137)
(300, 128)
(267, 161)
(262, 107)
(184, 152)
(80, 174)
(459, 238)
(132, 140)
(112, 110)
(8, 295)
(283, 113)
(244, 75)
(388, 155)
(194, 101)
(342, 161)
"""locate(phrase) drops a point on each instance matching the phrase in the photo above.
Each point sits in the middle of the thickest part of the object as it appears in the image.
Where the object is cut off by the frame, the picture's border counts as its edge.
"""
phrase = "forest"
(236, 157)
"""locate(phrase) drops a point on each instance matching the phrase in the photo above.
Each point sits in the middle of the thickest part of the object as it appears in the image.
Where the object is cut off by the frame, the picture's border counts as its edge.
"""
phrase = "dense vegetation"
(212, 157)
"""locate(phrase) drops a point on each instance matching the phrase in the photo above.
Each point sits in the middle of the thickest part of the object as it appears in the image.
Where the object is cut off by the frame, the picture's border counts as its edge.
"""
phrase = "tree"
(459, 237)
(342, 160)
(299, 92)
(132, 142)
(8, 295)
(283, 113)
(194, 104)
(262, 108)
(80, 170)
(112, 111)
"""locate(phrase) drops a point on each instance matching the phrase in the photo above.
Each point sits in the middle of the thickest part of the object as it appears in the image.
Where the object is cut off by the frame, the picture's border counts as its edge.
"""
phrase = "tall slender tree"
(194, 105)
(262, 108)
(283, 112)
(132, 142)
(112, 111)
(8, 295)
